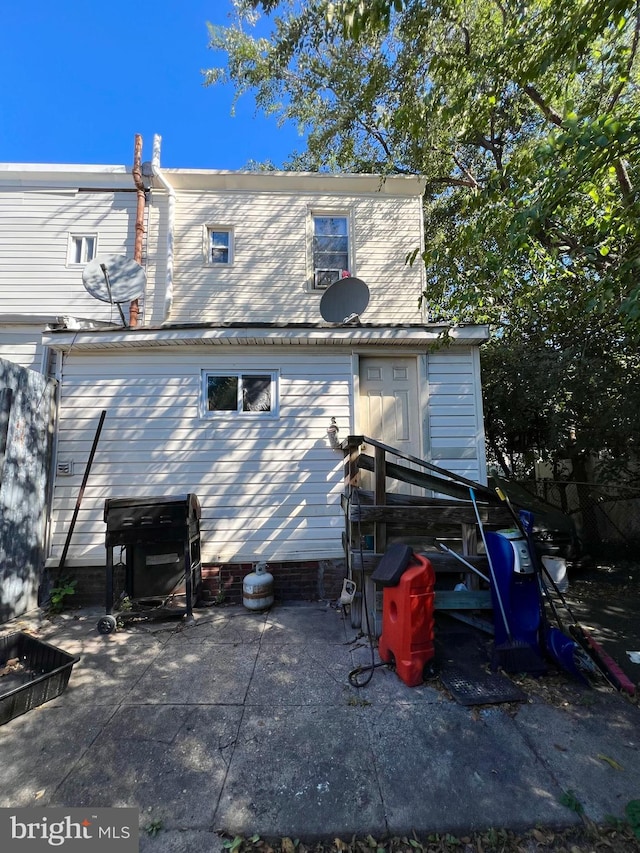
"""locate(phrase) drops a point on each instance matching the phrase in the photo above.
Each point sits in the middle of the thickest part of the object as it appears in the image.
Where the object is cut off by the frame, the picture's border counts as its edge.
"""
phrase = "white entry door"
(390, 408)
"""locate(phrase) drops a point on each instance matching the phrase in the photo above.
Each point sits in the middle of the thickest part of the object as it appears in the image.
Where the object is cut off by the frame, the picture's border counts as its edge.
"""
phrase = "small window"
(82, 248)
(219, 248)
(240, 393)
(330, 249)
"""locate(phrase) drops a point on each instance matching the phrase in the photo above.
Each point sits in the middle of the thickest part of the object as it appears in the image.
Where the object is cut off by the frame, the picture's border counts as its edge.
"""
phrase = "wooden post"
(380, 499)
(351, 449)
(470, 549)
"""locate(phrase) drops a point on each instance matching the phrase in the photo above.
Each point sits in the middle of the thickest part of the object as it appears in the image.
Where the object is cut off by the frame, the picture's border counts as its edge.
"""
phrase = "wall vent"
(64, 468)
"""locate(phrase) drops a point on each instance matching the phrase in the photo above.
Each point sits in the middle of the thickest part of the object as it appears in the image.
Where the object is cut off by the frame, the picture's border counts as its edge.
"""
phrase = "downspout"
(171, 216)
(134, 306)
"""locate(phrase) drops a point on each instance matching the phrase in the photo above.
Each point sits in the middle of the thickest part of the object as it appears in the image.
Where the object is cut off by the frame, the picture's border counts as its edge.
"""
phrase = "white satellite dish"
(114, 278)
(344, 300)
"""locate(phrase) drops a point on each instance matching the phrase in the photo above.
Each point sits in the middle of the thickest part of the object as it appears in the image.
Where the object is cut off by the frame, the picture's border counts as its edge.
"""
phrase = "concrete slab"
(306, 624)
(247, 723)
(43, 746)
(191, 673)
(232, 625)
(109, 666)
(181, 841)
(303, 772)
(299, 674)
(442, 768)
(593, 752)
(169, 761)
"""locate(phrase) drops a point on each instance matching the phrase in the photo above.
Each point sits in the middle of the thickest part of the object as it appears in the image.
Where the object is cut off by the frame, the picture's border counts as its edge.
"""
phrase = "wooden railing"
(379, 516)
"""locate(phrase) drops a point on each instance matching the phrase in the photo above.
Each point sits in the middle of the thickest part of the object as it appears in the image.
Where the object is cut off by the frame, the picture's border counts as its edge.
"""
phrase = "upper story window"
(240, 393)
(331, 250)
(219, 246)
(82, 248)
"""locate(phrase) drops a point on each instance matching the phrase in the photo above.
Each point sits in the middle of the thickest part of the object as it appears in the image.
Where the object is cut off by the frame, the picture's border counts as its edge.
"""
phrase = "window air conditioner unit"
(323, 278)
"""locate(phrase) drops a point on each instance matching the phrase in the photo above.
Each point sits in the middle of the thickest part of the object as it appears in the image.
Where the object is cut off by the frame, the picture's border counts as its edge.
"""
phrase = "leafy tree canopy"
(524, 119)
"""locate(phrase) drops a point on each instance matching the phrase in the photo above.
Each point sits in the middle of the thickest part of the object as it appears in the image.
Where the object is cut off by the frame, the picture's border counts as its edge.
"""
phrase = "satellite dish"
(344, 300)
(114, 278)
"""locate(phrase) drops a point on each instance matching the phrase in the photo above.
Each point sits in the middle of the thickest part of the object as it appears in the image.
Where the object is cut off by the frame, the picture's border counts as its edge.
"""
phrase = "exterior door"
(390, 408)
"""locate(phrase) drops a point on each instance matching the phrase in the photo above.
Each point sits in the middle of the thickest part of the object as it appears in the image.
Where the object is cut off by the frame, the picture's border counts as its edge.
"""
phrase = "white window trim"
(347, 213)
(71, 244)
(206, 244)
(232, 416)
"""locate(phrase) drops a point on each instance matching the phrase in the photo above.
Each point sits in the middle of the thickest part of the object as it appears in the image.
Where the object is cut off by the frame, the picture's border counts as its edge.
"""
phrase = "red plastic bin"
(407, 638)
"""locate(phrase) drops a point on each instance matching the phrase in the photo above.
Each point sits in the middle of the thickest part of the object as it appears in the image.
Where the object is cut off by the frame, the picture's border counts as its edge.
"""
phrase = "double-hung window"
(82, 248)
(240, 393)
(219, 246)
(331, 252)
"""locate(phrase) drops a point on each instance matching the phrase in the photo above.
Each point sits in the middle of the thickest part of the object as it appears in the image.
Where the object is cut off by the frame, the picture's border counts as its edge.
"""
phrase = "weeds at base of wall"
(58, 596)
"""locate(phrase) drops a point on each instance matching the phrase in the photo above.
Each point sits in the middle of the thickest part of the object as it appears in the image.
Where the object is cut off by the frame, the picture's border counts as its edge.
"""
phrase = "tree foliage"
(524, 119)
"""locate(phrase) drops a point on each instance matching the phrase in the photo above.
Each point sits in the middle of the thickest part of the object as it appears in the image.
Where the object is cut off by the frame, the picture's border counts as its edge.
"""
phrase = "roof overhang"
(324, 335)
(206, 180)
(60, 177)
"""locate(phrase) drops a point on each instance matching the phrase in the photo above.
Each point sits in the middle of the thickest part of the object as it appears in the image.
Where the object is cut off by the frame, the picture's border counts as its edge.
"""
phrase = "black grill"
(159, 537)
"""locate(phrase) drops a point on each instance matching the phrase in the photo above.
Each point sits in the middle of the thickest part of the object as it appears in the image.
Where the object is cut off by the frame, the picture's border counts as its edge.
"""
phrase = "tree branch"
(449, 181)
(634, 48)
(549, 113)
(626, 187)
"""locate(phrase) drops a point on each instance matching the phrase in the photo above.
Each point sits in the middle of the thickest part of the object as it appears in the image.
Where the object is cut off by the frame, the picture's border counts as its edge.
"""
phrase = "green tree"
(525, 121)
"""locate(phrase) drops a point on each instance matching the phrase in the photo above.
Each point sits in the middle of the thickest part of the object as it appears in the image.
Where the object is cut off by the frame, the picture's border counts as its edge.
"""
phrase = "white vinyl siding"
(35, 229)
(271, 275)
(454, 413)
(22, 345)
(269, 489)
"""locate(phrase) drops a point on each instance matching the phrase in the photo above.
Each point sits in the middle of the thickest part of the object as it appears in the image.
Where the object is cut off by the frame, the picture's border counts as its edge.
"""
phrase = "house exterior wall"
(269, 487)
(270, 278)
(35, 275)
(21, 344)
(454, 421)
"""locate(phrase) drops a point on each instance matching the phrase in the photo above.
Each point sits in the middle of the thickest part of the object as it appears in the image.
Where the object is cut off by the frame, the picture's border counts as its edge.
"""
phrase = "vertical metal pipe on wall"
(171, 215)
(134, 307)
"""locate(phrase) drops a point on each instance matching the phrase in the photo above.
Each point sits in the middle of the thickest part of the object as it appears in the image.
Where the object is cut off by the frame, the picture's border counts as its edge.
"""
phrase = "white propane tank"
(257, 589)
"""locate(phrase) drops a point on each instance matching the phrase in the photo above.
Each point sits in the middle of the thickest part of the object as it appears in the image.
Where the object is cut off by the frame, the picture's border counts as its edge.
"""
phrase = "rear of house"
(228, 386)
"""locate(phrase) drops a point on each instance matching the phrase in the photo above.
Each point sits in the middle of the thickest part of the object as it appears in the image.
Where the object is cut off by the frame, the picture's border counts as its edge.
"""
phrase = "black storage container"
(43, 673)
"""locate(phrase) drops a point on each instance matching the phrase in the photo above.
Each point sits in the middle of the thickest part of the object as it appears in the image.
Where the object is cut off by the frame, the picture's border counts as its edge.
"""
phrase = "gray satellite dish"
(114, 278)
(344, 300)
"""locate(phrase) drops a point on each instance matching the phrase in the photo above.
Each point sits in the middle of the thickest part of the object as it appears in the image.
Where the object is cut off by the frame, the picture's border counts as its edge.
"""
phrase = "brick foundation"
(308, 580)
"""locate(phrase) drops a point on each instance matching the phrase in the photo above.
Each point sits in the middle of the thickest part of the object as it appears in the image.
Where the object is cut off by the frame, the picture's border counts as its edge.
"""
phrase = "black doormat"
(480, 688)
(465, 656)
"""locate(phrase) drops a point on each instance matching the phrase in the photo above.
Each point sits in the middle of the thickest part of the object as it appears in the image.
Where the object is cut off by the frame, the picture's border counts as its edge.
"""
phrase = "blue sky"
(80, 79)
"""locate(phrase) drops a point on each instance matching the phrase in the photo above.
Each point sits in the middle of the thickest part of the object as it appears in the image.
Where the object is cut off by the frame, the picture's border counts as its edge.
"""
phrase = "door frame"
(422, 391)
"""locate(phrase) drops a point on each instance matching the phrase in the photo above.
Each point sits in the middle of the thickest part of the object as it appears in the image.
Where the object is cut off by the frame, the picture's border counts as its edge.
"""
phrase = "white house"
(227, 385)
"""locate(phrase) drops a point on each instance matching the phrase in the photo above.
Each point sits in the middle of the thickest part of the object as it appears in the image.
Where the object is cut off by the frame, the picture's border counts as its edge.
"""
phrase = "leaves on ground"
(617, 837)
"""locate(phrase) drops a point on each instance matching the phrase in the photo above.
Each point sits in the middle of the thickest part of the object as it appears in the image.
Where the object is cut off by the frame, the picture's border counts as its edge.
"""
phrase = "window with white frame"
(219, 245)
(240, 393)
(331, 251)
(82, 248)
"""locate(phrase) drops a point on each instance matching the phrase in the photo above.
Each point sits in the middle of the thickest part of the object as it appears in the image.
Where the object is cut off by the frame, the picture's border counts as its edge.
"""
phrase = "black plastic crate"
(43, 674)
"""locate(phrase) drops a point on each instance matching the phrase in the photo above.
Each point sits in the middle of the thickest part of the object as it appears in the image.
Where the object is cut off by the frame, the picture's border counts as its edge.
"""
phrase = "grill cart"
(159, 571)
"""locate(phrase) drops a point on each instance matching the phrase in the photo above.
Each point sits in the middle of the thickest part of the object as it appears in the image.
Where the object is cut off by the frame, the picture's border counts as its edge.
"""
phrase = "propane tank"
(257, 589)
